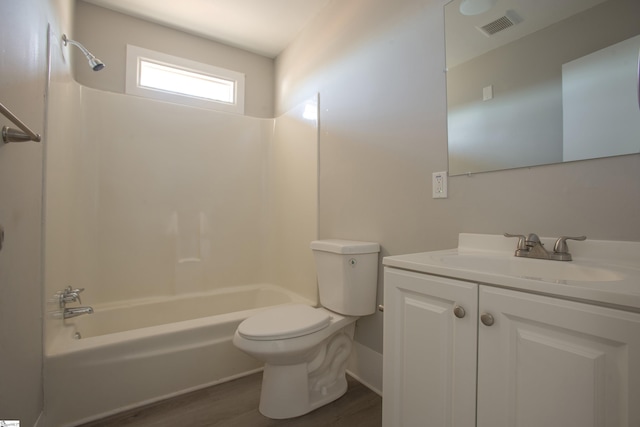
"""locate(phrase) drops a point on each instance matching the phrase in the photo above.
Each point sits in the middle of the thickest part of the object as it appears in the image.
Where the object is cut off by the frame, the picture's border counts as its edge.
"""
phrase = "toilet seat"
(288, 321)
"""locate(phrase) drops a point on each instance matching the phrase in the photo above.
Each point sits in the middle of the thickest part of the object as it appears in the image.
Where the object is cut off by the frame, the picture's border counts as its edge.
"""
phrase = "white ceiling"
(265, 27)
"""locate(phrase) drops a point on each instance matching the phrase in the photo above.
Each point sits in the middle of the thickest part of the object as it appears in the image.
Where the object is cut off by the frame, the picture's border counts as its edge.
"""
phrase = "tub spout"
(76, 311)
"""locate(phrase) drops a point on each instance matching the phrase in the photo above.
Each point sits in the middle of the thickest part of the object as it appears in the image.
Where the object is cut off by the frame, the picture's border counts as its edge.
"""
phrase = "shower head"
(94, 62)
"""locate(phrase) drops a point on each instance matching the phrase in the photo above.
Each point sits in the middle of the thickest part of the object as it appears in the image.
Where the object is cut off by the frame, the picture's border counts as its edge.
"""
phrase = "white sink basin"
(549, 271)
(601, 271)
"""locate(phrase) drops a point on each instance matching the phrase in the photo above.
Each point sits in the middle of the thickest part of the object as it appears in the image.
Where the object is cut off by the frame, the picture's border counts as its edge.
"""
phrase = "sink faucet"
(70, 312)
(531, 247)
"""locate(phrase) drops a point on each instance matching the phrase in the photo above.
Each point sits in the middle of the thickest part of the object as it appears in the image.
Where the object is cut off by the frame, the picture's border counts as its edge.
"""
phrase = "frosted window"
(175, 80)
(170, 78)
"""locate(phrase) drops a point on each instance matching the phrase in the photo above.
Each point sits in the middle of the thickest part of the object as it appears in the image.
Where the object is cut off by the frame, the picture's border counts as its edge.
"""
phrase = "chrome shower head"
(94, 63)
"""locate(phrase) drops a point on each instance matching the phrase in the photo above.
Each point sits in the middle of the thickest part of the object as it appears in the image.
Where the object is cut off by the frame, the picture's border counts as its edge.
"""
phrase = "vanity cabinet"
(429, 363)
(461, 354)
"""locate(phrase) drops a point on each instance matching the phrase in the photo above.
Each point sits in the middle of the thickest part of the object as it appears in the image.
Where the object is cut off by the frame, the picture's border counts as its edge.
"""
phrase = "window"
(170, 78)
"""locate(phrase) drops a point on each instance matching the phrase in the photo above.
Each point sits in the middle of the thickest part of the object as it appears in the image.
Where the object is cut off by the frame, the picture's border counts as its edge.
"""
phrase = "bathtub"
(136, 352)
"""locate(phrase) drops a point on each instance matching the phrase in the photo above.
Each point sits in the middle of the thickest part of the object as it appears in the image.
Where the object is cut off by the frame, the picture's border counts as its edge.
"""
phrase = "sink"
(549, 271)
(602, 271)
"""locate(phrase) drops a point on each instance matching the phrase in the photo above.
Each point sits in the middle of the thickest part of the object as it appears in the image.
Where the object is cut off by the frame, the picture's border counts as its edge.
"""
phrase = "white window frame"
(132, 84)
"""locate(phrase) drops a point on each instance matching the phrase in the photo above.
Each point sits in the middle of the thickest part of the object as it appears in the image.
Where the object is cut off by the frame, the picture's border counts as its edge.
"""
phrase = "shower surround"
(148, 199)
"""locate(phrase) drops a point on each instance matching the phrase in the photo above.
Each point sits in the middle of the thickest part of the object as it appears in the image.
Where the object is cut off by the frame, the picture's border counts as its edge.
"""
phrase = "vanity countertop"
(602, 272)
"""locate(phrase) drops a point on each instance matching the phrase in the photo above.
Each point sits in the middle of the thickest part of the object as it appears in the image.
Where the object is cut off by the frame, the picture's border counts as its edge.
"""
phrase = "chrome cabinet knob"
(459, 312)
(486, 319)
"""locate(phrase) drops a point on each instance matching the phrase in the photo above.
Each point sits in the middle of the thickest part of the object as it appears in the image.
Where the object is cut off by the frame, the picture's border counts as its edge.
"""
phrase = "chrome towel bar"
(15, 135)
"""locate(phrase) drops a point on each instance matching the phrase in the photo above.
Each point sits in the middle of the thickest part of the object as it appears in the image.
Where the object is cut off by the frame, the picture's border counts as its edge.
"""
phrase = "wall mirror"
(539, 82)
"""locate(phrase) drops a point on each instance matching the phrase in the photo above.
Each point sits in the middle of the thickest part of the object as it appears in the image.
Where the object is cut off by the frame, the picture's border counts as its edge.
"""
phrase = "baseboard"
(365, 365)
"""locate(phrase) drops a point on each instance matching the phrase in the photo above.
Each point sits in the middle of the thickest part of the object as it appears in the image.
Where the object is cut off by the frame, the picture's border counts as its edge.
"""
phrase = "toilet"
(305, 349)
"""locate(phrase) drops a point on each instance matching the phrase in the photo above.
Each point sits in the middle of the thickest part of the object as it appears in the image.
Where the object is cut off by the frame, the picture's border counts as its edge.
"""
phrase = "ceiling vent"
(509, 19)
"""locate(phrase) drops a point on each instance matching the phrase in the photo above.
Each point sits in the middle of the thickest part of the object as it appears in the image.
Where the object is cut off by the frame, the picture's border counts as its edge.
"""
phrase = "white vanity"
(474, 336)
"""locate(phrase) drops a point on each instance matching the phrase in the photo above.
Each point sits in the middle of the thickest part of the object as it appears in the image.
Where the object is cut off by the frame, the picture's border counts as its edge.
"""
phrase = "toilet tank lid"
(345, 246)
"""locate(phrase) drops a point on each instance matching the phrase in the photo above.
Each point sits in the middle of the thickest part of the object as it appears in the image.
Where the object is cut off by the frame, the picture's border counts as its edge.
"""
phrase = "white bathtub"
(137, 352)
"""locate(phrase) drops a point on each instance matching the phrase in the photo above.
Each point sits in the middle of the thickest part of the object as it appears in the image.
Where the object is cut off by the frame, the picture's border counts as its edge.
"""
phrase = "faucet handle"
(561, 244)
(69, 295)
(521, 240)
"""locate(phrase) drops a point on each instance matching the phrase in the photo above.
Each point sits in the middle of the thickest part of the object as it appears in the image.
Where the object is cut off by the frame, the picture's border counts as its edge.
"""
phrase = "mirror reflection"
(539, 82)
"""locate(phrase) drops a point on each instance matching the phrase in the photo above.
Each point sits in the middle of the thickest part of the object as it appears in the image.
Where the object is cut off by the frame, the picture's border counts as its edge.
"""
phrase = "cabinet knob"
(486, 319)
(459, 312)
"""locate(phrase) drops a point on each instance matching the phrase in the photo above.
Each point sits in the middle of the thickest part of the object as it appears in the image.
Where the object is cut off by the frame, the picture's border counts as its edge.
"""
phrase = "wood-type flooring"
(235, 403)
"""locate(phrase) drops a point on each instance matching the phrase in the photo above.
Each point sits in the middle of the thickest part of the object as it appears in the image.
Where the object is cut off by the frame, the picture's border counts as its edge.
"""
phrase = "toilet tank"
(347, 275)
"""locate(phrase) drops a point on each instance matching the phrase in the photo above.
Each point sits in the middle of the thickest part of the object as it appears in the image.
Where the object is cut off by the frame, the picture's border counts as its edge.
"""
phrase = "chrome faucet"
(70, 295)
(70, 312)
(531, 247)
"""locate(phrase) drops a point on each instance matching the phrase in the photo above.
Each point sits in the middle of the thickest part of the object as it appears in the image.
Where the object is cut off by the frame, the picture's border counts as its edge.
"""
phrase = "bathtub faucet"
(76, 311)
(69, 295)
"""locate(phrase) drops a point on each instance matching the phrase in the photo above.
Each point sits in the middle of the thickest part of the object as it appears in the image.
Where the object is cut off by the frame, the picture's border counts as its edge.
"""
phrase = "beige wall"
(23, 76)
(106, 34)
(378, 66)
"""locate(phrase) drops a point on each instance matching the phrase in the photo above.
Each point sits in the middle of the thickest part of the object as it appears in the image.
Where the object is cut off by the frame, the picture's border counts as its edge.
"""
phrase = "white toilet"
(306, 349)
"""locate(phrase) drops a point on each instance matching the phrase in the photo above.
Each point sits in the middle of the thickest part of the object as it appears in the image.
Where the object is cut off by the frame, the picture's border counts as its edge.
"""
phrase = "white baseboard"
(365, 365)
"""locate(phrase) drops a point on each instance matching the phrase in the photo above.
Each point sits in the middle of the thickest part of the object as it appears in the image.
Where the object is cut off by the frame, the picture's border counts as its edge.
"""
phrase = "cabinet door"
(554, 363)
(429, 368)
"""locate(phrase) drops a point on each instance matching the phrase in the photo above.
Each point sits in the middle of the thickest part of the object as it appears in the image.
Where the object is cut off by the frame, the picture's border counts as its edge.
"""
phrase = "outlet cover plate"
(439, 185)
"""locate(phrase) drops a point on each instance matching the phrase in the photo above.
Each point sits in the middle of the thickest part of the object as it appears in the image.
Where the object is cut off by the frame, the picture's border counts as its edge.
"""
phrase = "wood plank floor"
(235, 403)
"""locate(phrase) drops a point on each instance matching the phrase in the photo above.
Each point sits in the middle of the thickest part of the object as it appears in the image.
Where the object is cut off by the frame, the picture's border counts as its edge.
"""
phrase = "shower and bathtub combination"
(132, 353)
(180, 223)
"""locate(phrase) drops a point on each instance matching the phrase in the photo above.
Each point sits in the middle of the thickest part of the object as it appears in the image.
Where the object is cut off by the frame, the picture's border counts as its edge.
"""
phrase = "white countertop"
(603, 272)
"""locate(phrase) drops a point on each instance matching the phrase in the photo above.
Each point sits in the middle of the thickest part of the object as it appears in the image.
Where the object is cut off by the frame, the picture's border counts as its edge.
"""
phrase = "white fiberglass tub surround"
(147, 198)
(141, 351)
(167, 215)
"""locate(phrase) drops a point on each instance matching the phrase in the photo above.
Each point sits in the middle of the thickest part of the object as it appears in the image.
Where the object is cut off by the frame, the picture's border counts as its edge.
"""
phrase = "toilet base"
(281, 396)
(292, 390)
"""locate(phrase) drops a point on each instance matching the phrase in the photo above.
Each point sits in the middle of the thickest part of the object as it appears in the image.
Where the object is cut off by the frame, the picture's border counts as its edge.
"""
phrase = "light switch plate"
(439, 183)
(487, 93)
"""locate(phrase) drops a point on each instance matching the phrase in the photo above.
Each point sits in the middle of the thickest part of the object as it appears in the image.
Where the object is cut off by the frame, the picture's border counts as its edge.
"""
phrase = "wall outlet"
(439, 182)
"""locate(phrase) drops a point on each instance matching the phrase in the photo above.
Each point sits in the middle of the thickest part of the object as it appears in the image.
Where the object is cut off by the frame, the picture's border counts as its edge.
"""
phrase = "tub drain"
(77, 336)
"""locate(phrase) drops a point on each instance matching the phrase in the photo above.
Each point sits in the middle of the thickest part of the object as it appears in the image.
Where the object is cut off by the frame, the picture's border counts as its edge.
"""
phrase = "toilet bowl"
(305, 349)
(305, 352)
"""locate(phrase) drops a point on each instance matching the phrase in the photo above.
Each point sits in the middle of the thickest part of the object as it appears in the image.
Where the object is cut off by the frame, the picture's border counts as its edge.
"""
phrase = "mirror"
(540, 82)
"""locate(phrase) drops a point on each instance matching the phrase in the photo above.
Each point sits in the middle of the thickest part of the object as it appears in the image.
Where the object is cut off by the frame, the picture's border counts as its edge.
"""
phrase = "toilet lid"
(286, 321)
